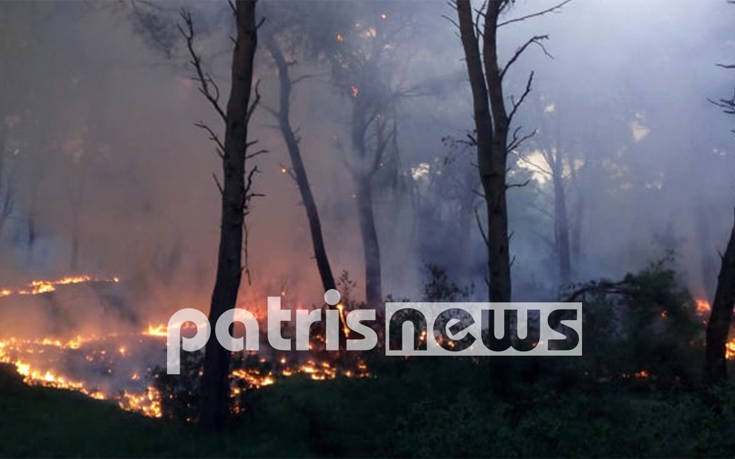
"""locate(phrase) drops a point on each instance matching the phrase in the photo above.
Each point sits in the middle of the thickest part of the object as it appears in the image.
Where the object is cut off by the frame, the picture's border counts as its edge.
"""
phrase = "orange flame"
(37, 287)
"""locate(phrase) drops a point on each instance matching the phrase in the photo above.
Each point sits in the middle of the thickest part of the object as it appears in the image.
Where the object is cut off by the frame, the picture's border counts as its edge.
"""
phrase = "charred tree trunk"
(494, 180)
(299, 171)
(576, 231)
(721, 316)
(561, 224)
(371, 248)
(492, 139)
(215, 384)
(363, 171)
(708, 266)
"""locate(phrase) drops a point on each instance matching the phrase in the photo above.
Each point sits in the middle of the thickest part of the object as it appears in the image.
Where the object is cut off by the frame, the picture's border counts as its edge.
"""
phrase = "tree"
(557, 165)
(720, 318)
(298, 170)
(236, 195)
(361, 67)
(492, 124)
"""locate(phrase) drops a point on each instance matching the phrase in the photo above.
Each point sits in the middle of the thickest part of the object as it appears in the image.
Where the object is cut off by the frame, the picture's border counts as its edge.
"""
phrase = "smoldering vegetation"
(104, 172)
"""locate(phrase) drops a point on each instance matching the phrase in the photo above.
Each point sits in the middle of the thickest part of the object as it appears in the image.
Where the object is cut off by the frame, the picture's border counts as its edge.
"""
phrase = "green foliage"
(646, 322)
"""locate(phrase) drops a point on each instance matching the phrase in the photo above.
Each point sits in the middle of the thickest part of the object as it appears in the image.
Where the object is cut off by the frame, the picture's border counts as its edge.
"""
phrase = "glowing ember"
(156, 330)
(340, 37)
(703, 306)
(730, 349)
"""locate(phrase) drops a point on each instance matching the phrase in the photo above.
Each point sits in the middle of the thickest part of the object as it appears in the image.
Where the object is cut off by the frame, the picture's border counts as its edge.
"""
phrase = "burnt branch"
(254, 154)
(255, 102)
(207, 86)
(217, 182)
(517, 141)
(213, 137)
(553, 9)
(531, 41)
(525, 94)
(517, 185)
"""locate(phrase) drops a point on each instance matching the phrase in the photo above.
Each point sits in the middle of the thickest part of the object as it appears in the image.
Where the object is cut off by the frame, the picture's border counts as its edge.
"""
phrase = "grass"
(423, 407)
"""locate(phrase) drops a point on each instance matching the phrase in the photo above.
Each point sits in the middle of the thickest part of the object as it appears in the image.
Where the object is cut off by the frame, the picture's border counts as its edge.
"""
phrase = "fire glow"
(120, 367)
(38, 287)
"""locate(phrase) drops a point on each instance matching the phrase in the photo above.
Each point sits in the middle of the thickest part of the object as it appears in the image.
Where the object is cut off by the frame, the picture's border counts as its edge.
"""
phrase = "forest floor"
(422, 407)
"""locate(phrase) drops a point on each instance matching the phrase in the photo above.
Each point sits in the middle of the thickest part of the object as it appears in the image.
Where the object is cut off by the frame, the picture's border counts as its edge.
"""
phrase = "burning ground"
(122, 366)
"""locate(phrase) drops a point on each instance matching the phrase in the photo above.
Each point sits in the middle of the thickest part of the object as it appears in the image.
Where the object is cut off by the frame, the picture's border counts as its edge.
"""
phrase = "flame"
(703, 306)
(730, 349)
(159, 330)
(36, 360)
(355, 91)
(38, 287)
(340, 37)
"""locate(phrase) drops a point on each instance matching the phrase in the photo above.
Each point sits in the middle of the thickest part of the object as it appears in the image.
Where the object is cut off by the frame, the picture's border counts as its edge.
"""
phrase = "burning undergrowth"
(643, 330)
(127, 367)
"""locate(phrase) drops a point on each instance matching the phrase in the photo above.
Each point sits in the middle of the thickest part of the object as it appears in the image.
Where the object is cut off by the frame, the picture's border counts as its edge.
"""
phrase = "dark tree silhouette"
(720, 318)
(492, 124)
(298, 170)
(236, 194)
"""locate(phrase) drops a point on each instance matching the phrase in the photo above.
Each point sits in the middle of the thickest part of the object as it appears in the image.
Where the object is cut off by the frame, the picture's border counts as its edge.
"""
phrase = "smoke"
(99, 146)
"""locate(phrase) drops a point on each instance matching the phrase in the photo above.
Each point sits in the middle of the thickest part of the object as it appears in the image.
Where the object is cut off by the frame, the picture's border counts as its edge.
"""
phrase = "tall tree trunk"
(299, 171)
(215, 385)
(576, 231)
(721, 316)
(561, 224)
(707, 259)
(371, 248)
(492, 138)
(362, 171)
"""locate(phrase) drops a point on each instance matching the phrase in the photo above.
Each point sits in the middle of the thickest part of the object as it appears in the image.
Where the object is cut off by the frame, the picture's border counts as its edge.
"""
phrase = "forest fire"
(121, 368)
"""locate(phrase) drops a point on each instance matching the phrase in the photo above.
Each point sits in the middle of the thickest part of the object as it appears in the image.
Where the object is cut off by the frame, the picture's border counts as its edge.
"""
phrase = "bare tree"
(492, 123)
(557, 165)
(371, 135)
(298, 170)
(360, 69)
(236, 195)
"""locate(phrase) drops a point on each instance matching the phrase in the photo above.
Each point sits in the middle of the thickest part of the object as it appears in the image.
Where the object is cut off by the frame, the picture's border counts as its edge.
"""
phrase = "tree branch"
(533, 40)
(533, 15)
(206, 83)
